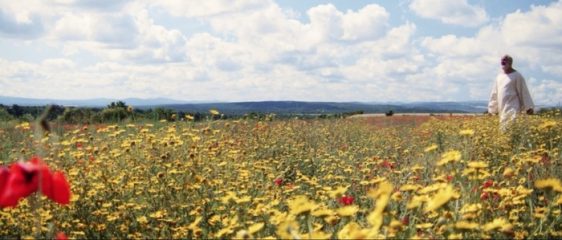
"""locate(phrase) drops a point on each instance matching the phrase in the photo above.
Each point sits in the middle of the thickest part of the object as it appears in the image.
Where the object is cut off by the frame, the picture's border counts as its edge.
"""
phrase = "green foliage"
(118, 104)
(79, 115)
(116, 114)
(4, 115)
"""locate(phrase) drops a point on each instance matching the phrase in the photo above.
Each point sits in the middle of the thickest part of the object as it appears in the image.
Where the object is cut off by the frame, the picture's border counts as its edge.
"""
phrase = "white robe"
(509, 97)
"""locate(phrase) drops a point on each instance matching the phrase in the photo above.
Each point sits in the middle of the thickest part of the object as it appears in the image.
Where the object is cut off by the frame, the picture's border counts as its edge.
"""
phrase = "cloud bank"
(257, 50)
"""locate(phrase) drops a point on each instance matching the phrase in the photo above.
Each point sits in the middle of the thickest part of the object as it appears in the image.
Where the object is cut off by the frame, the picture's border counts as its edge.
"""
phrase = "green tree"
(4, 115)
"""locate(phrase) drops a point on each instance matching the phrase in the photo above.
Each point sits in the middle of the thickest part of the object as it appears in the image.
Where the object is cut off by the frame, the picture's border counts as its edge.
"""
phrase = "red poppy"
(484, 196)
(278, 181)
(346, 200)
(23, 178)
(59, 189)
(488, 184)
(61, 236)
(4, 175)
(387, 164)
(487, 195)
(22, 181)
(545, 159)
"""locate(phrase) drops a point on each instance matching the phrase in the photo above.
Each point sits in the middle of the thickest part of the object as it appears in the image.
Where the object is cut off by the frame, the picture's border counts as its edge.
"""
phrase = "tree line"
(114, 112)
(121, 112)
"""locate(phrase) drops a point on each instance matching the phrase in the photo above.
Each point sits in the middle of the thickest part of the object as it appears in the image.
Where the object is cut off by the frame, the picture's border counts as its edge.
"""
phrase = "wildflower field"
(323, 179)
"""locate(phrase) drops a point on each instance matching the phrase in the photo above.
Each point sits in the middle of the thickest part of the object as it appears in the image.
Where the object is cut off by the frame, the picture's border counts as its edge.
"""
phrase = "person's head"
(507, 62)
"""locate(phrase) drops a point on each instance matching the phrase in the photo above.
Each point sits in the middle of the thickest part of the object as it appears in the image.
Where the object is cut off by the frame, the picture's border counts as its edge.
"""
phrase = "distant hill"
(280, 107)
(292, 107)
(96, 102)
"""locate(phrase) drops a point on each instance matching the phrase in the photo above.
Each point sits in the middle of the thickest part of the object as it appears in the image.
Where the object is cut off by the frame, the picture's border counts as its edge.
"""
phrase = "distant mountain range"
(294, 107)
(280, 107)
(96, 102)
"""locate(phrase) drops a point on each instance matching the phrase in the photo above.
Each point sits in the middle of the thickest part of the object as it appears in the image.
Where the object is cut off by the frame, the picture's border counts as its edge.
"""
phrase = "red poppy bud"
(406, 220)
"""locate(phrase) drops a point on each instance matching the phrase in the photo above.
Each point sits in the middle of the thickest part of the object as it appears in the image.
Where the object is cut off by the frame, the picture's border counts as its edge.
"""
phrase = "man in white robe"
(510, 95)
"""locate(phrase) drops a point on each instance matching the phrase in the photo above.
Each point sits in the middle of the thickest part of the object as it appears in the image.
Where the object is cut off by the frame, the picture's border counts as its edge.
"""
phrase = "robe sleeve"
(493, 103)
(525, 100)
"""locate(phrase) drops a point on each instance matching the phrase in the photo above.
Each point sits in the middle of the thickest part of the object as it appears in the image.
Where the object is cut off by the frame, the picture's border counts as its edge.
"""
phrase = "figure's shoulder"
(514, 75)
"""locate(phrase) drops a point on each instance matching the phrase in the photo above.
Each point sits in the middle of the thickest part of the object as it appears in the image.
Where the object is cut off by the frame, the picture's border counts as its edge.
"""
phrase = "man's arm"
(525, 99)
(493, 103)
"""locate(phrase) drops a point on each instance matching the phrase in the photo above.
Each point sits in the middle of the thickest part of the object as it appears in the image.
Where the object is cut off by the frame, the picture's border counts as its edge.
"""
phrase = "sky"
(257, 50)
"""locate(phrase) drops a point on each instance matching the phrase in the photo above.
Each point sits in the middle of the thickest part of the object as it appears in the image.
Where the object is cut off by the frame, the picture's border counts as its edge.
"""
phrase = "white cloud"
(546, 91)
(368, 23)
(19, 26)
(256, 50)
(456, 12)
(109, 30)
(209, 8)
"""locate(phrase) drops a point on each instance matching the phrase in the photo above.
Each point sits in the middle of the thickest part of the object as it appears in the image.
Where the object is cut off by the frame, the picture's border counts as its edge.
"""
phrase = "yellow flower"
(498, 223)
(464, 225)
(348, 210)
(477, 164)
(158, 214)
(471, 208)
(450, 156)
(417, 201)
(432, 188)
(424, 225)
(337, 192)
(288, 230)
(353, 231)
(508, 172)
(214, 112)
(382, 196)
(397, 196)
(322, 212)
(430, 148)
(559, 200)
(320, 235)
(331, 219)
(441, 197)
(142, 220)
(409, 187)
(24, 126)
(455, 236)
(549, 183)
(255, 227)
(547, 124)
(301, 204)
(395, 224)
(467, 132)
(245, 199)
